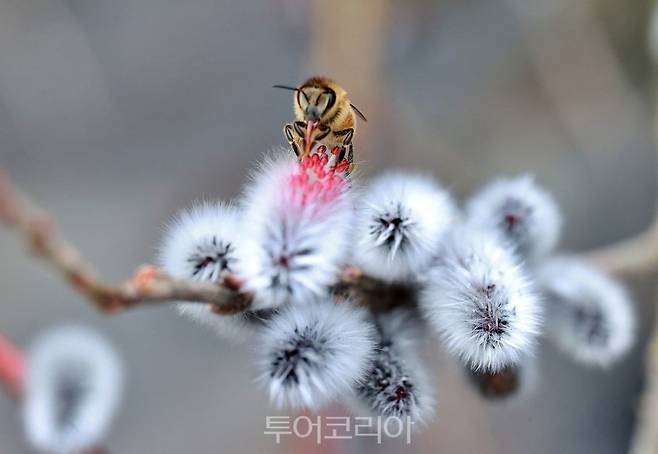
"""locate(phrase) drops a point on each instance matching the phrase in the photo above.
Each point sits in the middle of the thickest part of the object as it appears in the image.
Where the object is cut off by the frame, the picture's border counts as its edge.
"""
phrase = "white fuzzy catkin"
(295, 231)
(397, 384)
(73, 386)
(401, 220)
(588, 314)
(524, 215)
(312, 354)
(480, 302)
(200, 244)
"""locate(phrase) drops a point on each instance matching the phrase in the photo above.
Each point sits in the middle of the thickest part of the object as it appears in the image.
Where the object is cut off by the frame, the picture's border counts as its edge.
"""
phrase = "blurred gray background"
(116, 114)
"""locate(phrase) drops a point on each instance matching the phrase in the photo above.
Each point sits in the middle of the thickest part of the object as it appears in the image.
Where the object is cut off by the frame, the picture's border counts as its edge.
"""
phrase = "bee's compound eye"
(323, 102)
(302, 98)
(332, 98)
(326, 100)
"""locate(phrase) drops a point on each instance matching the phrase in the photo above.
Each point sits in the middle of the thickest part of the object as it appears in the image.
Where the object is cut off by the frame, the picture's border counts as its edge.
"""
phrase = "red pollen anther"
(342, 166)
(316, 180)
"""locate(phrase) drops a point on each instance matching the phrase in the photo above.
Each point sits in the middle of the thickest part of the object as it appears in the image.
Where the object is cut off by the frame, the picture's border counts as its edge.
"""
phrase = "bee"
(324, 115)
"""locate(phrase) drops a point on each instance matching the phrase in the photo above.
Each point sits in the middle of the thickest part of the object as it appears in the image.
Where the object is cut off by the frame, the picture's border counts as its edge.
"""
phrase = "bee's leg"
(295, 149)
(346, 158)
(323, 131)
(288, 132)
(347, 148)
(341, 155)
(350, 158)
(300, 130)
(343, 162)
(346, 134)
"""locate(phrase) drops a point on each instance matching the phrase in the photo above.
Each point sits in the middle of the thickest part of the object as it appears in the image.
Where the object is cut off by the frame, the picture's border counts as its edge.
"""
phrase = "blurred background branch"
(12, 368)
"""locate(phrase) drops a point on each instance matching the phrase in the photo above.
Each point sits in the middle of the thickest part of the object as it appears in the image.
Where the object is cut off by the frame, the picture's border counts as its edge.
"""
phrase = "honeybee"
(323, 115)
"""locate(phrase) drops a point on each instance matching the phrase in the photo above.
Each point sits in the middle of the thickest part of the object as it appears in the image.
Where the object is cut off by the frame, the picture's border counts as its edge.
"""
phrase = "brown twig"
(12, 368)
(645, 438)
(633, 258)
(148, 284)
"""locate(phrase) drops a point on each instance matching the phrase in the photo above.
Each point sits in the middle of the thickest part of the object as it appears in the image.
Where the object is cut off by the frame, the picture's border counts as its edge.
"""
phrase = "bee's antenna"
(358, 112)
(285, 87)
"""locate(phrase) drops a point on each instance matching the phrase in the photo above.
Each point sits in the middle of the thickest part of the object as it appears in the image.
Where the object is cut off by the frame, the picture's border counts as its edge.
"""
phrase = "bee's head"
(318, 99)
(315, 102)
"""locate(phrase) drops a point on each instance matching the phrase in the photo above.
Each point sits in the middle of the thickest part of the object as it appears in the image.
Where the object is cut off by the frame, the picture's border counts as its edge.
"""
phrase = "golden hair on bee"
(324, 114)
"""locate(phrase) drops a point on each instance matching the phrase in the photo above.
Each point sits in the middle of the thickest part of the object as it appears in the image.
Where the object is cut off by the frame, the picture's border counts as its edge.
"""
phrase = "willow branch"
(148, 285)
(12, 368)
(645, 437)
(635, 257)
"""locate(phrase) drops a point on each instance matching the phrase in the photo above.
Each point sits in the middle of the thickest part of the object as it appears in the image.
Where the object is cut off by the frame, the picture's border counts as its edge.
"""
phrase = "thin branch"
(148, 284)
(12, 368)
(635, 257)
(645, 437)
